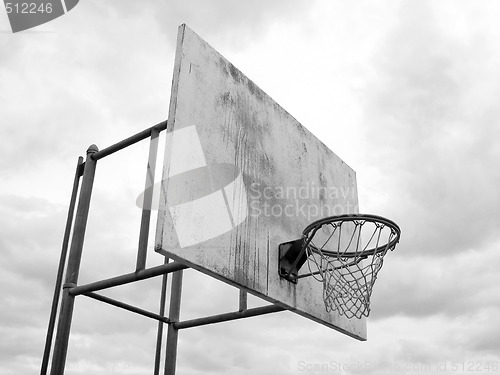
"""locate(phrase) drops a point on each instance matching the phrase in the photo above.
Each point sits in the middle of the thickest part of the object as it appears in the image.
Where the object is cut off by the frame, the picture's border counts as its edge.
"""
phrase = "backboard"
(241, 176)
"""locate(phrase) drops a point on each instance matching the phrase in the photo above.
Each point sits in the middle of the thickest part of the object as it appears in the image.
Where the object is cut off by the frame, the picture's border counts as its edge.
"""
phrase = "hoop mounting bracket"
(291, 259)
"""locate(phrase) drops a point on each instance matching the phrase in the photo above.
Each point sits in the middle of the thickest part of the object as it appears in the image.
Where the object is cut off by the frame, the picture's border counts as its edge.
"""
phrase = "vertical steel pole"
(60, 270)
(243, 300)
(174, 315)
(148, 199)
(159, 334)
(73, 268)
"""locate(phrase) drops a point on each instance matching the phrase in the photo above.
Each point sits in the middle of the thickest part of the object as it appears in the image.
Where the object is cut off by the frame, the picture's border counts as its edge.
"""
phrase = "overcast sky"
(406, 92)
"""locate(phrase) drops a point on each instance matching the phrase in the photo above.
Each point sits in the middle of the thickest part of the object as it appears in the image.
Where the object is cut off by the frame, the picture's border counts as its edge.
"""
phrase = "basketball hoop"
(344, 253)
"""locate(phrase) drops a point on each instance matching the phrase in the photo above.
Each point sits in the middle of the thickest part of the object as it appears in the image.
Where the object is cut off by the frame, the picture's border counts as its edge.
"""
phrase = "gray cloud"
(436, 150)
(28, 235)
(484, 332)
(417, 351)
(426, 286)
(69, 88)
(229, 23)
(430, 115)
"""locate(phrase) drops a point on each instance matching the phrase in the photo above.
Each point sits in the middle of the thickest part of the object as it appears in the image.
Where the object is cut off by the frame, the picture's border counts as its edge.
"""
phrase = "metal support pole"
(174, 315)
(148, 199)
(159, 334)
(60, 270)
(73, 268)
(243, 300)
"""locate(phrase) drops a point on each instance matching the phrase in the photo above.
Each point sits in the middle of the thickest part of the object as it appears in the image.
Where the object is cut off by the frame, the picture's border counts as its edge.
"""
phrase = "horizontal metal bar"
(127, 278)
(128, 307)
(228, 316)
(129, 141)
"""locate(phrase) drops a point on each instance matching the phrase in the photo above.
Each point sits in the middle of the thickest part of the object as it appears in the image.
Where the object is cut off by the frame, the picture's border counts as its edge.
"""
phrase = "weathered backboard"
(241, 176)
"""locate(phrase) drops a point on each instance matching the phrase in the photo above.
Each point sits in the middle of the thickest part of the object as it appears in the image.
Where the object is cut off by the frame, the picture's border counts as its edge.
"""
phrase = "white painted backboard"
(241, 176)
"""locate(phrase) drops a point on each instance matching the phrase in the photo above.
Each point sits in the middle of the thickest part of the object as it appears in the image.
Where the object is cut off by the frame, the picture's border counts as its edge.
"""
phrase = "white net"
(346, 254)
